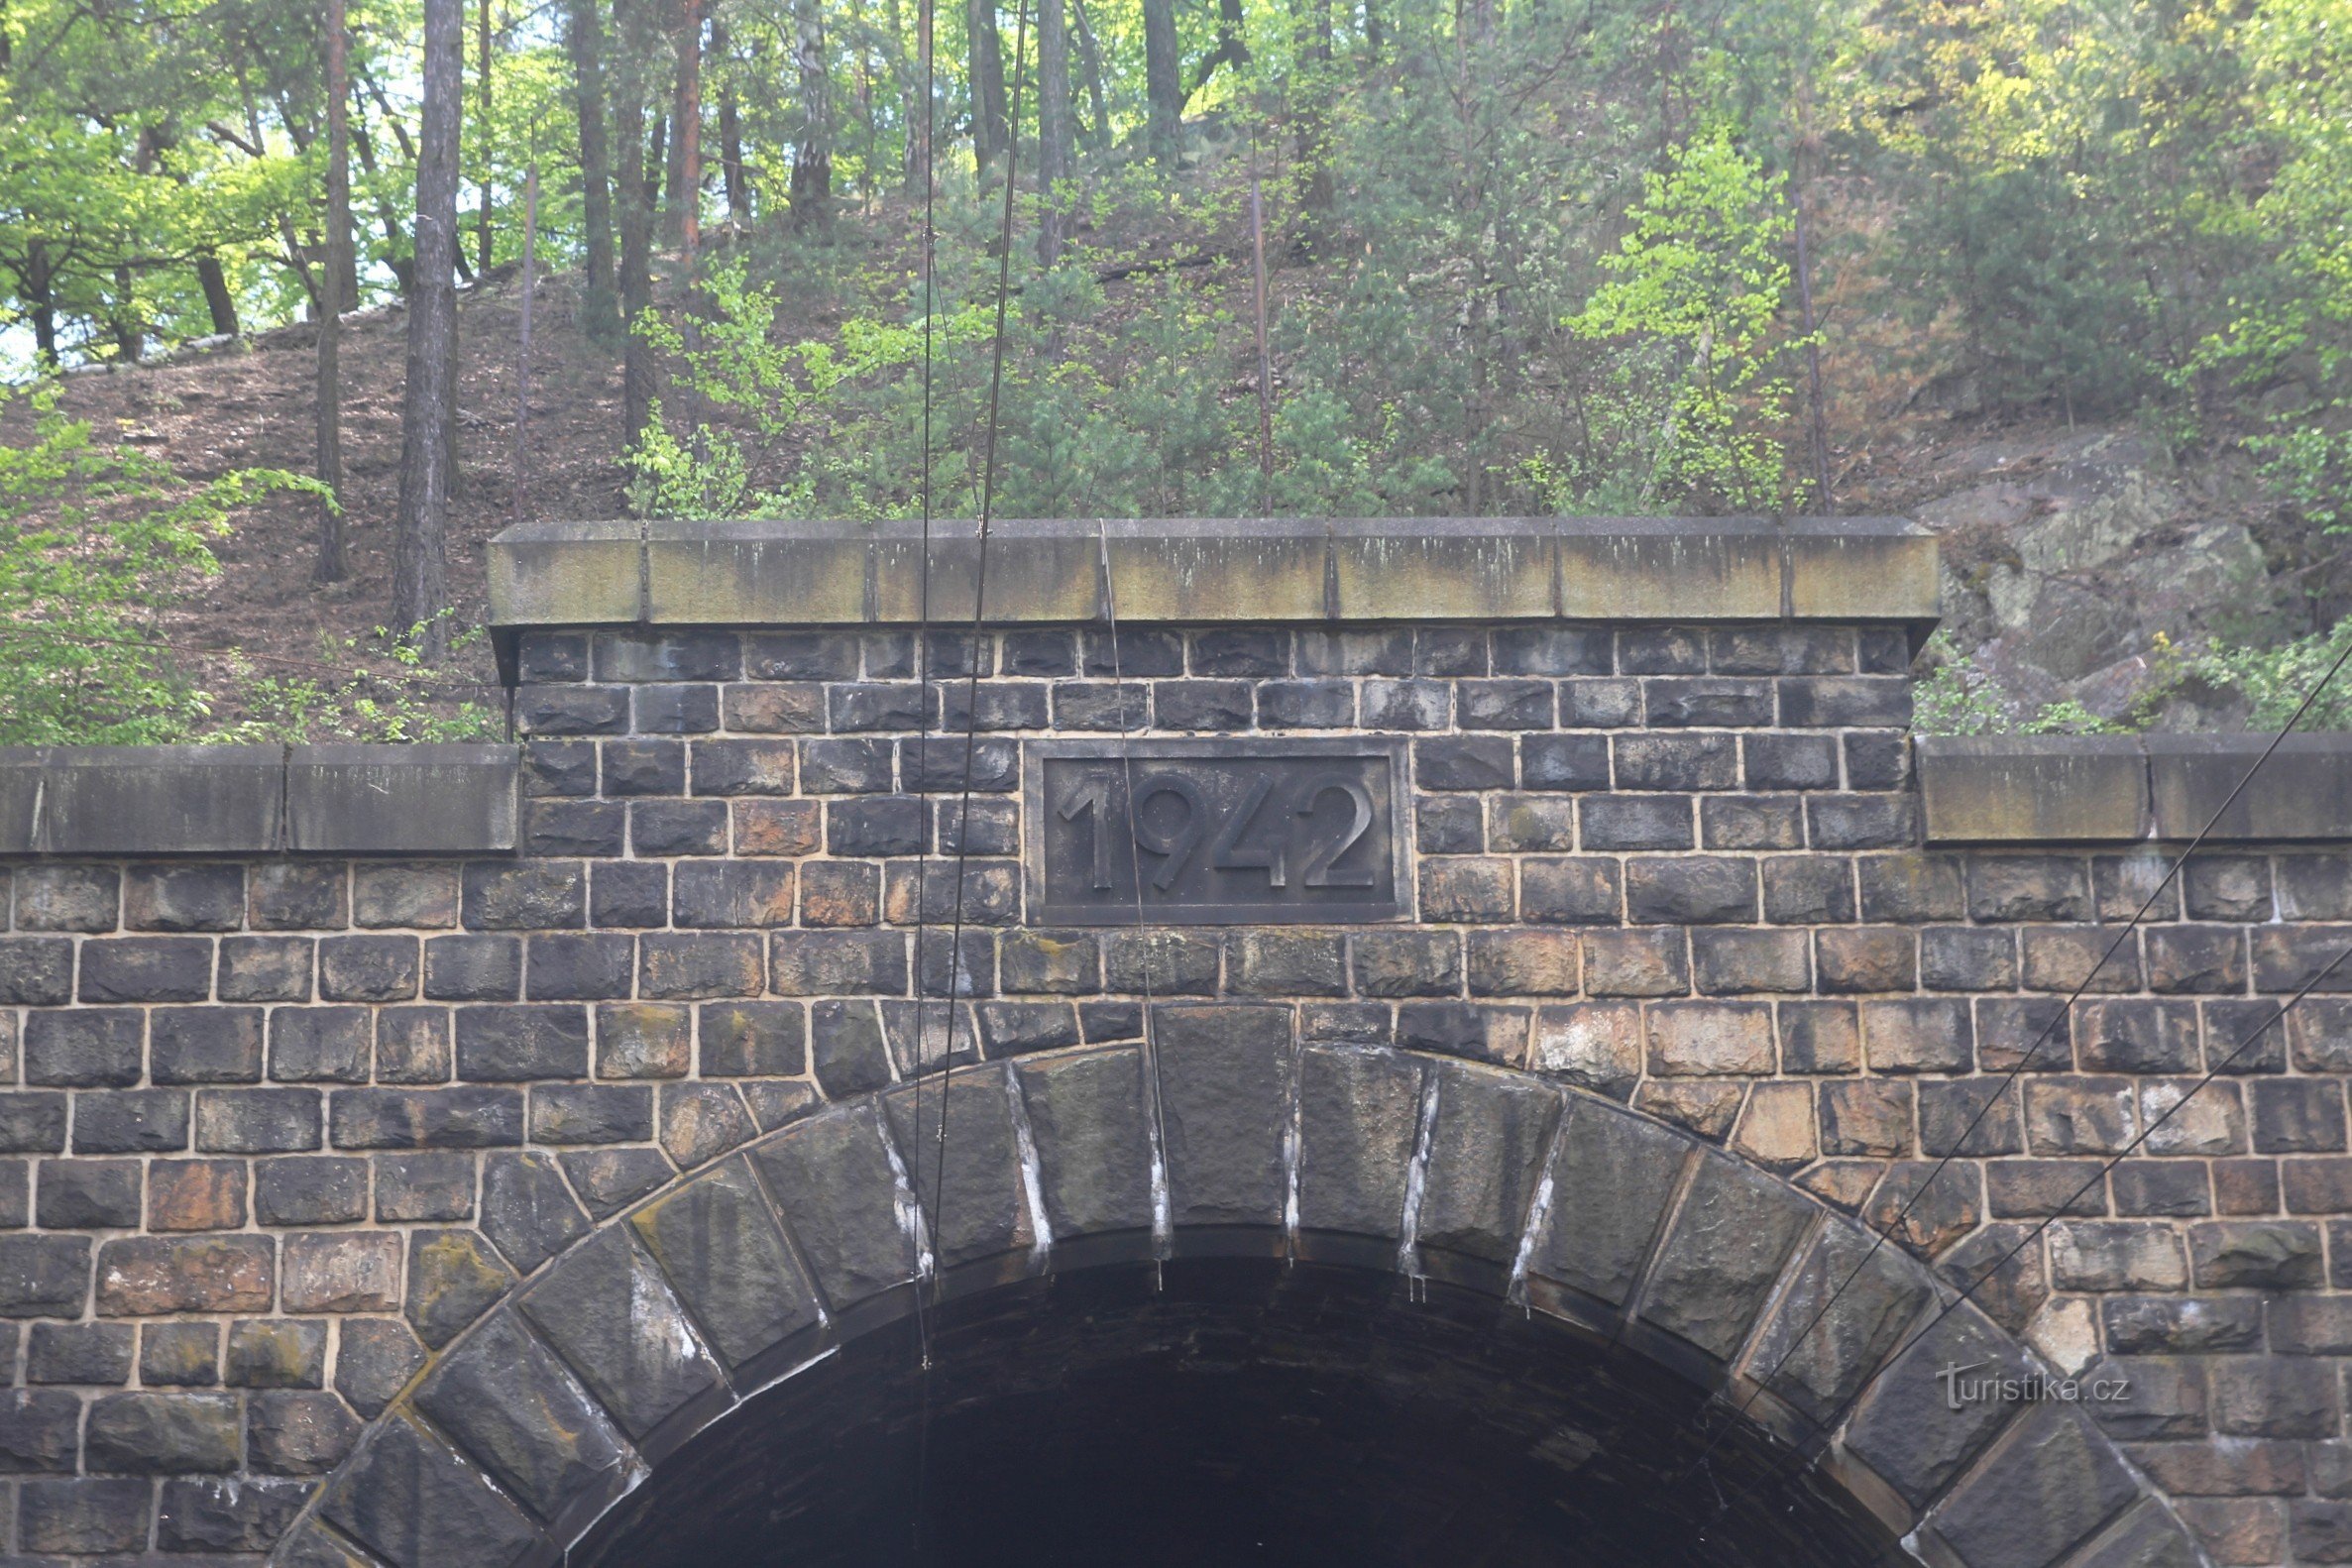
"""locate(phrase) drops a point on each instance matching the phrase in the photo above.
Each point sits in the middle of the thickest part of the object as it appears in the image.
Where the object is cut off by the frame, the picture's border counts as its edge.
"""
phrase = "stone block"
(453, 1118)
(276, 1353)
(429, 798)
(453, 1278)
(1868, 1116)
(83, 1514)
(1918, 1035)
(1565, 762)
(2270, 1255)
(1728, 962)
(1808, 890)
(1710, 1038)
(1729, 1243)
(528, 1212)
(1225, 1086)
(514, 1407)
(1089, 1126)
(417, 1505)
(2273, 1397)
(2305, 790)
(1483, 1033)
(1847, 1306)
(1735, 822)
(1691, 889)
(375, 1358)
(1658, 570)
(326, 1272)
(180, 1355)
(1584, 891)
(979, 1208)
(1635, 822)
(1655, 961)
(2038, 789)
(843, 1202)
(1597, 1045)
(135, 800)
(2045, 1489)
(121, 1122)
(36, 971)
(534, 895)
(195, 1194)
(88, 1195)
(515, 1043)
(1521, 962)
(1465, 890)
(1488, 1147)
(161, 1275)
(1530, 824)
(86, 1353)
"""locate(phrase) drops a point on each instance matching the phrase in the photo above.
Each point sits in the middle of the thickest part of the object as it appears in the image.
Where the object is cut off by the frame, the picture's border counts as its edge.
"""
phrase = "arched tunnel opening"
(1223, 1413)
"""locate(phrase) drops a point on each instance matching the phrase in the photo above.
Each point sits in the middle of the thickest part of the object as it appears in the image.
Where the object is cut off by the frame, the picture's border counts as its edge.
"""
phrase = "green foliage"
(1951, 696)
(2275, 681)
(1704, 275)
(404, 701)
(93, 542)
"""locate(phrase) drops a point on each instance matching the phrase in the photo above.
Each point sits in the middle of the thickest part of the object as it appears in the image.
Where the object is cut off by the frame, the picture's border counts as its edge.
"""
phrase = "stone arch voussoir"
(560, 1398)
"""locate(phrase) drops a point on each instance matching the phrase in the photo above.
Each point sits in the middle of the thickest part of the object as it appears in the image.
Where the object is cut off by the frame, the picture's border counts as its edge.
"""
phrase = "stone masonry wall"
(280, 1128)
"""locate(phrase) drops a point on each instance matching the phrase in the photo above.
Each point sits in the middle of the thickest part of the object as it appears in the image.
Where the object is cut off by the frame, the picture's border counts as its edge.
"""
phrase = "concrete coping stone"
(823, 572)
(449, 798)
(2112, 789)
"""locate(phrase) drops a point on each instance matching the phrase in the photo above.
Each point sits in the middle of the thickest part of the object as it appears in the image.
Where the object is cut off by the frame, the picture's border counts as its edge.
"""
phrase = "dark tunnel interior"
(1229, 1412)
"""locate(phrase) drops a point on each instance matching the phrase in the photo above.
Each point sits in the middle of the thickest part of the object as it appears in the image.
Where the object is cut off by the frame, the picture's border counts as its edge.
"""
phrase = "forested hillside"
(2070, 281)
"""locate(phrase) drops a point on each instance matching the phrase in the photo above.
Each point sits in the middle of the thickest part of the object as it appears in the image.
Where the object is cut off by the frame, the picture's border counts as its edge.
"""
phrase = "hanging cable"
(1837, 1416)
(971, 685)
(927, 270)
(1145, 936)
(2062, 1016)
(970, 728)
(921, 785)
(2025, 1058)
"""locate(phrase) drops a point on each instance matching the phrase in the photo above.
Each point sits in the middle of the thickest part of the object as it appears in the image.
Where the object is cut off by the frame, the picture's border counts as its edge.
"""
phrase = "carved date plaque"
(1214, 832)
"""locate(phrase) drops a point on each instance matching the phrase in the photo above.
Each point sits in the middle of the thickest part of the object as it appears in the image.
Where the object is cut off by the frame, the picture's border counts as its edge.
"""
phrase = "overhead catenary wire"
(1837, 1416)
(1146, 1036)
(2026, 1057)
(927, 269)
(972, 656)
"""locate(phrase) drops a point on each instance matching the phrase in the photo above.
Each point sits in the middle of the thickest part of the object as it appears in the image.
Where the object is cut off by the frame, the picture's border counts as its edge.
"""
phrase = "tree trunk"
(586, 38)
(987, 84)
(812, 150)
(636, 216)
(661, 167)
(40, 294)
(522, 347)
(420, 590)
(1232, 47)
(689, 116)
(690, 194)
(1098, 131)
(333, 302)
(1163, 83)
(489, 143)
(731, 131)
(1056, 129)
(219, 303)
(676, 196)
(1310, 23)
(403, 269)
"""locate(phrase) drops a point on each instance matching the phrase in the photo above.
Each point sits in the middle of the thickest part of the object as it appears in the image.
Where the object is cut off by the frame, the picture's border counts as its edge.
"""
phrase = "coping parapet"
(450, 798)
(813, 573)
(2107, 789)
